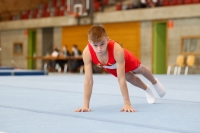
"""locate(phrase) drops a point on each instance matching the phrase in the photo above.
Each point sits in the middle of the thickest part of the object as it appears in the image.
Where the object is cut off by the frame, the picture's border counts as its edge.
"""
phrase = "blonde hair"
(96, 33)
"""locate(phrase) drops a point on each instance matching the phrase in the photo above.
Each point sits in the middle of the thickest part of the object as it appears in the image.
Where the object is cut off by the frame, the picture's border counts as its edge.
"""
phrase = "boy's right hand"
(128, 108)
(84, 109)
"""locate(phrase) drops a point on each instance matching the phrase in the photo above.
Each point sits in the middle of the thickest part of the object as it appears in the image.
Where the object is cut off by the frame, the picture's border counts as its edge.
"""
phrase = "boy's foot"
(150, 96)
(159, 88)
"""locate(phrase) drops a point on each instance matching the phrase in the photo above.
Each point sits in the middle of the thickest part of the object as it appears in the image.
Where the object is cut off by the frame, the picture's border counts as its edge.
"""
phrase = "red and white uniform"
(131, 62)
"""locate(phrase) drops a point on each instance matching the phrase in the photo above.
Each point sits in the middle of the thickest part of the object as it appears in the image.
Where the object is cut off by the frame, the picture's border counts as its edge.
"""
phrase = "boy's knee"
(140, 69)
(128, 76)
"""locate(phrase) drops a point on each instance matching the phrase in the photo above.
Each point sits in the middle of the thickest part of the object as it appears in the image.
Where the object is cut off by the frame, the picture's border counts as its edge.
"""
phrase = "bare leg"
(136, 81)
(146, 73)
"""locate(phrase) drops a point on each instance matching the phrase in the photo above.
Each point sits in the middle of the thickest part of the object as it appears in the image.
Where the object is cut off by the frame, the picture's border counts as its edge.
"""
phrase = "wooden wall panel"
(75, 35)
(127, 34)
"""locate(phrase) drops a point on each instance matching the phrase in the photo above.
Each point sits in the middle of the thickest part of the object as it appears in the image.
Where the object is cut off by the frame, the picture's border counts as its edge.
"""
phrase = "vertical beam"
(91, 11)
(78, 20)
(102, 5)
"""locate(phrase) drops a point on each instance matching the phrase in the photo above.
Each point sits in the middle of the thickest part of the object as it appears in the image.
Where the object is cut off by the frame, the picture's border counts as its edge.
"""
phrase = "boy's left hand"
(128, 108)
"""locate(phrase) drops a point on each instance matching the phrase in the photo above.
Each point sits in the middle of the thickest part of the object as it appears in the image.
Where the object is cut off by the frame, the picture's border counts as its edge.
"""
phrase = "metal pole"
(102, 5)
(91, 11)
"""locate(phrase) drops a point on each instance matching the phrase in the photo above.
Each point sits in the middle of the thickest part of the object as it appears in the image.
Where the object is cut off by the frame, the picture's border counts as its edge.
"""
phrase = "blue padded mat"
(19, 72)
(6, 68)
(45, 104)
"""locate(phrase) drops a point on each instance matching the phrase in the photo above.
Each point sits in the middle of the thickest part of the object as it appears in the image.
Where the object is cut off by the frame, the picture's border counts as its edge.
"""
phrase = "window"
(17, 48)
(190, 45)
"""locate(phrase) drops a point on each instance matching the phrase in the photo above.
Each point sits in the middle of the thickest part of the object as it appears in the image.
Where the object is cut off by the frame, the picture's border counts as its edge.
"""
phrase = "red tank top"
(131, 62)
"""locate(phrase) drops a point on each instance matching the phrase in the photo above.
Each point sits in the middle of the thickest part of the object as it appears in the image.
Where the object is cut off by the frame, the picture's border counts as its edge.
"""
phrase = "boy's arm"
(88, 81)
(119, 57)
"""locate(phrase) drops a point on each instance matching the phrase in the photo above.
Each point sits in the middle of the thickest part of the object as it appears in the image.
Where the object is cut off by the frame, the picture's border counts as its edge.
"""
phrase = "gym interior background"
(157, 35)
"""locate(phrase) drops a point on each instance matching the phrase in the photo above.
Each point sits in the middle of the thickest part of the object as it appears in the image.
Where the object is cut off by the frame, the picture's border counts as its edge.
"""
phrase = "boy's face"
(101, 46)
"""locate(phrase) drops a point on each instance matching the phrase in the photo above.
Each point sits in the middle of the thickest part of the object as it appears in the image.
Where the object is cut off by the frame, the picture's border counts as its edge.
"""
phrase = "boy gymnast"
(119, 62)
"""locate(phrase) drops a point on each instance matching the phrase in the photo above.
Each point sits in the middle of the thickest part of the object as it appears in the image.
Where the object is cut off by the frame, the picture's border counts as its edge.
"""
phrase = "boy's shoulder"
(86, 51)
